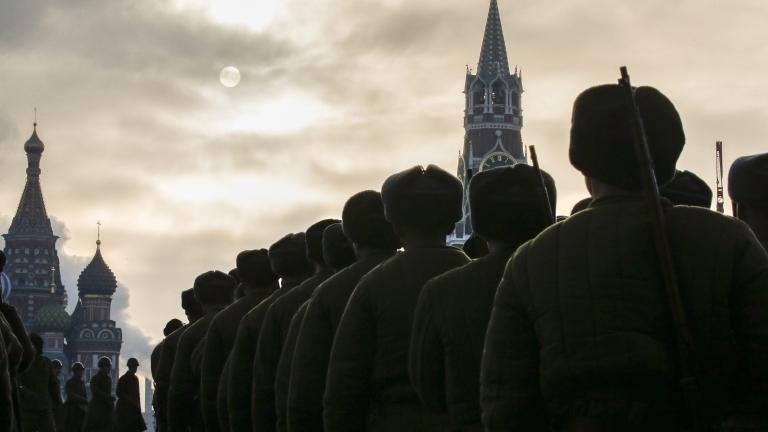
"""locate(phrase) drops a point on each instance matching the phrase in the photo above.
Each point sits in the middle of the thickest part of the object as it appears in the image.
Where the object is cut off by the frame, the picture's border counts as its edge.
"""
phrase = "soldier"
(258, 281)
(77, 402)
(275, 328)
(58, 405)
(101, 407)
(338, 253)
(194, 311)
(581, 333)
(368, 387)
(686, 188)
(288, 259)
(128, 416)
(38, 390)
(213, 290)
(374, 241)
(747, 181)
(508, 209)
(154, 359)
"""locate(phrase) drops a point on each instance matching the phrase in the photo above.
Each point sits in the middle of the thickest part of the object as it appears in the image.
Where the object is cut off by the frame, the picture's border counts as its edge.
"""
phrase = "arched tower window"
(478, 97)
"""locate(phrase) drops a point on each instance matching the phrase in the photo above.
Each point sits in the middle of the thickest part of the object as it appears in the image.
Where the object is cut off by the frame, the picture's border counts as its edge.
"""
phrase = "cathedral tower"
(31, 246)
(493, 116)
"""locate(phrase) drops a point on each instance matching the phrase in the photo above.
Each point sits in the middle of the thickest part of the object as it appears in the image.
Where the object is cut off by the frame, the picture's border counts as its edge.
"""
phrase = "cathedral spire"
(31, 217)
(493, 55)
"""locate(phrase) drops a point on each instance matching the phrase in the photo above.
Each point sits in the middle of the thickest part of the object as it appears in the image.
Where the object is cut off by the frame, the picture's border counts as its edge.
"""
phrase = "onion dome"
(34, 144)
(97, 278)
(51, 318)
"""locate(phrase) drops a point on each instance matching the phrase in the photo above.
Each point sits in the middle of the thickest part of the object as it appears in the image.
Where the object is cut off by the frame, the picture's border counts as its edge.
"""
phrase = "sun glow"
(254, 15)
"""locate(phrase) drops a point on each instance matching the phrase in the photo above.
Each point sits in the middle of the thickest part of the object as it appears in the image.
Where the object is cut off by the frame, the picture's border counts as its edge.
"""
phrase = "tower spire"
(493, 54)
(98, 235)
(31, 216)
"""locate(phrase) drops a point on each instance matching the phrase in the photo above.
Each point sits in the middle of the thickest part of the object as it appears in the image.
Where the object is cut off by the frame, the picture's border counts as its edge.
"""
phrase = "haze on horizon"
(334, 95)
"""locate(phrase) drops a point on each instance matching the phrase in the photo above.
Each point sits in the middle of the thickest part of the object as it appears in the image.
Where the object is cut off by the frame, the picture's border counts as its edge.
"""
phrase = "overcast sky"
(335, 95)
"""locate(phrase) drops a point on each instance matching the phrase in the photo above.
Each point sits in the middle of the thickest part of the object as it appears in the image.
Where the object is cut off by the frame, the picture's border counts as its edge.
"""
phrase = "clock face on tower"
(496, 160)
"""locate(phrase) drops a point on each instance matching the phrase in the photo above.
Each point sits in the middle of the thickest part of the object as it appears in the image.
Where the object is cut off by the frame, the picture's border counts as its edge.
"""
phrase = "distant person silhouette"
(288, 259)
(76, 404)
(100, 415)
(154, 358)
(58, 404)
(194, 311)
(452, 313)
(213, 290)
(748, 189)
(257, 282)
(128, 416)
(686, 188)
(275, 328)
(580, 337)
(374, 241)
(338, 253)
(368, 387)
(38, 391)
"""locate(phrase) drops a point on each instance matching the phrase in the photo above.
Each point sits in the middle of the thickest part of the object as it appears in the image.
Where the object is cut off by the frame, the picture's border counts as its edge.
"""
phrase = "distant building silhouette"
(493, 116)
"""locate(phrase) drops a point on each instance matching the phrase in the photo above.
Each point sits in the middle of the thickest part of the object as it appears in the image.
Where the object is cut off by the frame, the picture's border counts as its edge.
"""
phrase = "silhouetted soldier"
(288, 259)
(581, 333)
(128, 416)
(258, 281)
(686, 188)
(154, 359)
(101, 406)
(275, 328)
(374, 241)
(368, 385)
(213, 290)
(58, 405)
(475, 247)
(37, 391)
(193, 311)
(338, 253)
(748, 189)
(76, 404)
(508, 209)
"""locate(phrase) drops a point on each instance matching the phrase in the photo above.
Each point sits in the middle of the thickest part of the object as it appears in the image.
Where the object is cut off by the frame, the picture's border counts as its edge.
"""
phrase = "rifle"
(544, 191)
(719, 175)
(686, 352)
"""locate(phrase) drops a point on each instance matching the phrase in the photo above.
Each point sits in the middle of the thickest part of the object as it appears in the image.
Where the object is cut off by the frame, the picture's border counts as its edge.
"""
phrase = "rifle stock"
(544, 192)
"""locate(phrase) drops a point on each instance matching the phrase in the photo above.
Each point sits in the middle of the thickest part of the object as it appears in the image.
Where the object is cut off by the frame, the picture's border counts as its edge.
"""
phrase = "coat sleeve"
(308, 369)
(264, 368)
(240, 377)
(164, 368)
(510, 398)
(283, 376)
(348, 385)
(214, 357)
(750, 315)
(426, 357)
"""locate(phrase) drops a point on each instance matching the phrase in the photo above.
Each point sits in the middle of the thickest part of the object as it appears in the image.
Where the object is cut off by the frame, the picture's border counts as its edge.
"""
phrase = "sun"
(229, 76)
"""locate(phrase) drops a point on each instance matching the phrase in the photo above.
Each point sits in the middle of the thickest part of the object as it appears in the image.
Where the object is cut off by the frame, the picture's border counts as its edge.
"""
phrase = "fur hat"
(428, 199)
(189, 303)
(254, 267)
(77, 366)
(288, 256)
(507, 203)
(364, 222)
(104, 362)
(214, 288)
(315, 239)
(686, 188)
(747, 180)
(601, 135)
(337, 249)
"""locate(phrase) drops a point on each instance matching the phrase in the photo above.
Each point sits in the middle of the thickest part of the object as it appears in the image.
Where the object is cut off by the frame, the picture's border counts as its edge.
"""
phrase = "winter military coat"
(100, 409)
(219, 342)
(38, 388)
(271, 338)
(451, 317)
(154, 360)
(76, 405)
(283, 374)
(128, 416)
(19, 348)
(221, 403)
(183, 396)
(243, 353)
(313, 345)
(163, 378)
(6, 387)
(368, 387)
(581, 328)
